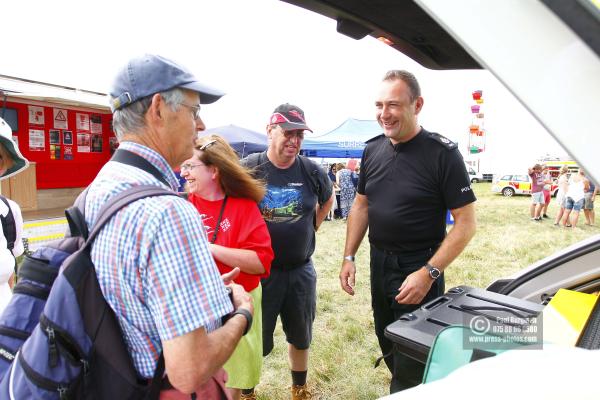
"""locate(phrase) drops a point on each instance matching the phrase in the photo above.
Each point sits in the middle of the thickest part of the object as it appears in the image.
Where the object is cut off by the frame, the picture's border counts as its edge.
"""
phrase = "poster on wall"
(83, 122)
(37, 141)
(36, 115)
(60, 118)
(68, 153)
(96, 124)
(96, 144)
(54, 152)
(113, 144)
(67, 137)
(83, 142)
(54, 136)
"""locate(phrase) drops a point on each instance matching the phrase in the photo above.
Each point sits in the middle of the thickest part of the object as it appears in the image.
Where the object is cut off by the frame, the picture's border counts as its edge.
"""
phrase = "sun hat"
(150, 74)
(289, 117)
(20, 162)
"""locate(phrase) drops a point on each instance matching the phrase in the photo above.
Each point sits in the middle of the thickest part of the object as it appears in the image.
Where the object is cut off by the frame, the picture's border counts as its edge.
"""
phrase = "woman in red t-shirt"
(227, 197)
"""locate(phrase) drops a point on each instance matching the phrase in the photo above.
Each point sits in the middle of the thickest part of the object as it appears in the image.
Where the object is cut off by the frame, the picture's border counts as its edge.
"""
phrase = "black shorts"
(293, 295)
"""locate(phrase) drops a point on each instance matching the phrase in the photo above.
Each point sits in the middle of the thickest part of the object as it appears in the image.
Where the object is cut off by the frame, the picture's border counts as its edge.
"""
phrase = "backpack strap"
(123, 199)
(37, 270)
(9, 227)
(309, 169)
(130, 158)
(306, 166)
(76, 215)
(254, 160)
(107, 211)
(321, 188)
(76, 218)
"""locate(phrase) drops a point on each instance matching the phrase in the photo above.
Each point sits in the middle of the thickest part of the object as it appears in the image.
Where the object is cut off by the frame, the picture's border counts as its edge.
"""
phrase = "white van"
(474, 177)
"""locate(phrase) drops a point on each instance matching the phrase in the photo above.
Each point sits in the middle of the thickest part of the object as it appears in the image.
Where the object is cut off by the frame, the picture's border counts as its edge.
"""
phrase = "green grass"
(344, 346)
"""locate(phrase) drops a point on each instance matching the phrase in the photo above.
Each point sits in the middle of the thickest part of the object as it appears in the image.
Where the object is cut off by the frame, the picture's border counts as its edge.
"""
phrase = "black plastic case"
(414, 332)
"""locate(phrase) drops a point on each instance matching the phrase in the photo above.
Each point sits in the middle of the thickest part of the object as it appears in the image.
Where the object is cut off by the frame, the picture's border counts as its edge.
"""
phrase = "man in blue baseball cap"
(152, 260)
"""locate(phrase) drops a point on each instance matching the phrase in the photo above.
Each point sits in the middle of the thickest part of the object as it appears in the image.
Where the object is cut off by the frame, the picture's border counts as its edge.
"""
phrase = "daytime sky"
(262, 53)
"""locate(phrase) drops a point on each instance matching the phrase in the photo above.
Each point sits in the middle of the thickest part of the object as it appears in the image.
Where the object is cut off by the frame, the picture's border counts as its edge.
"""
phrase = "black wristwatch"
(245, 313)
(434, 273)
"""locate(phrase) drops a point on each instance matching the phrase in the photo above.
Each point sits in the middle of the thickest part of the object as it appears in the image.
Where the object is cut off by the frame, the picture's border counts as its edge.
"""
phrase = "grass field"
(344, 346)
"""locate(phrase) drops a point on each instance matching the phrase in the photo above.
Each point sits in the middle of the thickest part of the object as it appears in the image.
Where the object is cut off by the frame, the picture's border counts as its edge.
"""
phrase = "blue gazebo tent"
(244, 141)
(345, 141)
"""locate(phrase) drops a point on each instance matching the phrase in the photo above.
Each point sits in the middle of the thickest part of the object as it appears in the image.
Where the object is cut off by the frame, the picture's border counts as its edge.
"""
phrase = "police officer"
(409, 179)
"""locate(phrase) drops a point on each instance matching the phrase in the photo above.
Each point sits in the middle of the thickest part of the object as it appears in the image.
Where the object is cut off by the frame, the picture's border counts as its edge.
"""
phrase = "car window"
(521, 178)
(506, 177)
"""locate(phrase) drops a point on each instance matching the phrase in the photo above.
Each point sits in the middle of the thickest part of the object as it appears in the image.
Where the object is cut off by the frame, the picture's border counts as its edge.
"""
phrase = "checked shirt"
(153, 262)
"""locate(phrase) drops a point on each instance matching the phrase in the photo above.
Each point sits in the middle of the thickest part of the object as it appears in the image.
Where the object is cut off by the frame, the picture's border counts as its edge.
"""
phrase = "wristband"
(349, 258)
(247, 314)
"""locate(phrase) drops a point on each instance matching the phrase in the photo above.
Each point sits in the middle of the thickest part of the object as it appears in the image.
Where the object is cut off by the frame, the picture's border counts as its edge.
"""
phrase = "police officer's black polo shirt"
(409, 188)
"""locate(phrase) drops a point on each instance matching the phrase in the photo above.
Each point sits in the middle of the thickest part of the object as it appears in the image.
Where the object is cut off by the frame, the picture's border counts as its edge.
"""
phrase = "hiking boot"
(249, 396)
(545, 216)
(300, 392)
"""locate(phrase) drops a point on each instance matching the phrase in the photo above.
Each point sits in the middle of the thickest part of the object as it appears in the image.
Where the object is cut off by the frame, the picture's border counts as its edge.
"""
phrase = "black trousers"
(388, 271)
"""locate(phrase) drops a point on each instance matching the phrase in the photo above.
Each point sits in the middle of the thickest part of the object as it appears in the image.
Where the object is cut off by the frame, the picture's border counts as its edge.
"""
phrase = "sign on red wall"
(68, 145)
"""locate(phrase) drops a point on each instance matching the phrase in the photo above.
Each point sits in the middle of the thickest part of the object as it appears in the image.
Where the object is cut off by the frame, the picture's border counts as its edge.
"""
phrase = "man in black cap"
(152, 260)
(299, 196)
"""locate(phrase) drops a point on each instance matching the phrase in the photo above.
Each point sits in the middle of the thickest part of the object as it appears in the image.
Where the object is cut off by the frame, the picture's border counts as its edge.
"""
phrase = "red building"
(66, 133)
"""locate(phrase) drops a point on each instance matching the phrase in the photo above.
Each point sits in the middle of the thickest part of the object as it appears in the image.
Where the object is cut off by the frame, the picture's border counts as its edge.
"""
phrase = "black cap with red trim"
(289, 117)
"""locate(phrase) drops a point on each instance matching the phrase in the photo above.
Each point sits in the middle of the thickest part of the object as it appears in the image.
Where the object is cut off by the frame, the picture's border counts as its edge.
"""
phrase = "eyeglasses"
(194, 109)
(189, 167)
(207, 145)
(292, 134)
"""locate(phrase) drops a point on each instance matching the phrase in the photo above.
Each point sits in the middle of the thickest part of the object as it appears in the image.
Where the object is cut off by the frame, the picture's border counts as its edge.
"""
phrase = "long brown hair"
(235, 180)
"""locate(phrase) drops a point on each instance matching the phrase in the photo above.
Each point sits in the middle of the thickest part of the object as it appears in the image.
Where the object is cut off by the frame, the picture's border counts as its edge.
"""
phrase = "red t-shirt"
(241, 227)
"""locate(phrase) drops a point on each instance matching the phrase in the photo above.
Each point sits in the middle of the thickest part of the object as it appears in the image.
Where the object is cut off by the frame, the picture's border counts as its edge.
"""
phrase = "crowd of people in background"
(575, 192)
(344, 178)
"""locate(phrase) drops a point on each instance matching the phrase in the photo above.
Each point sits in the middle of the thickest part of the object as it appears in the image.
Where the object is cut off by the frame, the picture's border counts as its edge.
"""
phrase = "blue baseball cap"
(151, 74)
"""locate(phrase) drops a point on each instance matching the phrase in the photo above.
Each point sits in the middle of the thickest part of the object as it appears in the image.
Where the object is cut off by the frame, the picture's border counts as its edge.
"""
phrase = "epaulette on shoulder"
(444, 141)
(375, 138)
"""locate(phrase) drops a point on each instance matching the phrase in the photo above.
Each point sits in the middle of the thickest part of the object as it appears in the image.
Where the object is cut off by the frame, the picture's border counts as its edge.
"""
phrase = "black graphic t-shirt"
(288, 209)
